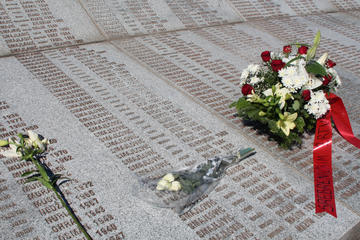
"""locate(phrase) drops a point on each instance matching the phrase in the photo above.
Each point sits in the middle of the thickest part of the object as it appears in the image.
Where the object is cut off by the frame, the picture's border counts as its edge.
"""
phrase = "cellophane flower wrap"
(181, 189)
(285, 94)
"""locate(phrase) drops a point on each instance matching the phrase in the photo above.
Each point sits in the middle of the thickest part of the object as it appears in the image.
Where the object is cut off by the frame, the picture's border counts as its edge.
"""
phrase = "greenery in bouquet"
(286, 94)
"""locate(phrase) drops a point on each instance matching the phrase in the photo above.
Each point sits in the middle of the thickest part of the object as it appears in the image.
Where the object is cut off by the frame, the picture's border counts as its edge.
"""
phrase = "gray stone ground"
(127, 89)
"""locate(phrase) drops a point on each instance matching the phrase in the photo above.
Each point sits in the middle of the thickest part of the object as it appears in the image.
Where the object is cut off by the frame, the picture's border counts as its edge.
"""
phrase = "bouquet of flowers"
(286, 94)
(182, 188)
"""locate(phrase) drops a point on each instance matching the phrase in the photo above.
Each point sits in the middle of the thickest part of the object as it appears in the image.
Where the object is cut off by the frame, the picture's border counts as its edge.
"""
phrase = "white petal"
(33, 136)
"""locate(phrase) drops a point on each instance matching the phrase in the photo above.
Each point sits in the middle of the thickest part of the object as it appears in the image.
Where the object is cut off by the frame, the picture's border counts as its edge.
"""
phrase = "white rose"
(169, 177)
(163, 185)
(175, 186)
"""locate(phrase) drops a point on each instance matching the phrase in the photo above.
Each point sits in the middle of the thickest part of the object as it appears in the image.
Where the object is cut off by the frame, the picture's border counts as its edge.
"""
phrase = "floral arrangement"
(181, 189)
(32, 147)
(286, 94)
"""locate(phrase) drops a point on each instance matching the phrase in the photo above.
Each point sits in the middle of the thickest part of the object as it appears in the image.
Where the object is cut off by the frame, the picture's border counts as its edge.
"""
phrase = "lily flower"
(253, 97)
(322, 59)
(35, 141)
(283, 93)
(286, 122)
(11, 152)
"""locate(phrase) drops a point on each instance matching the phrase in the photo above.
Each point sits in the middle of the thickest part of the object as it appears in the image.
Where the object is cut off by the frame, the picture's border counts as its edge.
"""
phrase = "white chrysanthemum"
(294, 77)
(318, 104)
(255, 80)
(253, 68)
(287, 59)
(244, 76)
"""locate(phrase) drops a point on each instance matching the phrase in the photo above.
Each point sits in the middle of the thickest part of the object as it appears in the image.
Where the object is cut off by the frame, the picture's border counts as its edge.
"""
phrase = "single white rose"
(163, 185)
(175, 186)
(169, 177)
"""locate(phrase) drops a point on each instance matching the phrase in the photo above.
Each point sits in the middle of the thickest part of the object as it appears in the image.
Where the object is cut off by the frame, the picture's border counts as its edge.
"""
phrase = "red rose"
(265, 56)
(247, 89)
(302, 50)
(287, 49)
(326, 80)
(330, 64)
(277, 65)
(306, 94)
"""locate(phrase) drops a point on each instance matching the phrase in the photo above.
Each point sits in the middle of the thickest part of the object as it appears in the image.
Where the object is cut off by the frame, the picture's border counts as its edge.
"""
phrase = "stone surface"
(154, 97)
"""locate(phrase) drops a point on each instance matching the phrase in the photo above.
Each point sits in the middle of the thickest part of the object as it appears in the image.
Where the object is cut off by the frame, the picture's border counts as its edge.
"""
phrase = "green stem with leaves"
(49, 183)
(71, 212)
(31, 148)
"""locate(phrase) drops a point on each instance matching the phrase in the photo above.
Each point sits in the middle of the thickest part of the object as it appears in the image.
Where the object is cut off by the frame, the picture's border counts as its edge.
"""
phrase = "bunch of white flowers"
(318, 104)
(294, 77)
(251, 72)
(168, 183)
(33, 141)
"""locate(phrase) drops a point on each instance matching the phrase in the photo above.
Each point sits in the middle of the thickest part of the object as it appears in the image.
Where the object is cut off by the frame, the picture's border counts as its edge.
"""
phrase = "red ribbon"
(323, 180)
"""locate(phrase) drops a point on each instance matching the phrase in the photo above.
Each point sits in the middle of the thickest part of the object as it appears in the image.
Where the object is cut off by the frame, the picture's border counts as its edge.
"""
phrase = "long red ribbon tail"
(324, 187)
(323, 180)
(341, 120)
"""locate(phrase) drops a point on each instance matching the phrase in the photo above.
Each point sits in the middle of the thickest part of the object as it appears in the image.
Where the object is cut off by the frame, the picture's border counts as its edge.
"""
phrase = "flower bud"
(322, 59)
(261, 113)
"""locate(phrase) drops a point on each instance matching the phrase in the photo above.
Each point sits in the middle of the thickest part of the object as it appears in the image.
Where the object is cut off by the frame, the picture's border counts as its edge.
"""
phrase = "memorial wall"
(131, 89)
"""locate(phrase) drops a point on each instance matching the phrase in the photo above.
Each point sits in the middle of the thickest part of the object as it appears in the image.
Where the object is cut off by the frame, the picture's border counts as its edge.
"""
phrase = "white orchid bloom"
(322, 59)
(175, 186)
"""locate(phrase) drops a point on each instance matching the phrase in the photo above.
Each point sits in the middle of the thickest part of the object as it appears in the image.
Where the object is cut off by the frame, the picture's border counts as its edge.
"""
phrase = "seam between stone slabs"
(51, 48)
(165, 32)
(101, 31)
(227, 123)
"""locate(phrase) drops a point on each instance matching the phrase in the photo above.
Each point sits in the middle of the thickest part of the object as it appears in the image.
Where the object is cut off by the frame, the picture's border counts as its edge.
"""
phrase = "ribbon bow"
(323, 180)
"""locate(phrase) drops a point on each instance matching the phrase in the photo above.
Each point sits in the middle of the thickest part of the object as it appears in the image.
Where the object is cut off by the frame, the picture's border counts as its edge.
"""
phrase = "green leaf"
(32, 179)
(315, 68)
(45, 183)
(273, 127)
(300, 124)
(246, 152)
(232, 105)
(292, 60)
(296, 105)
(28, 173)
